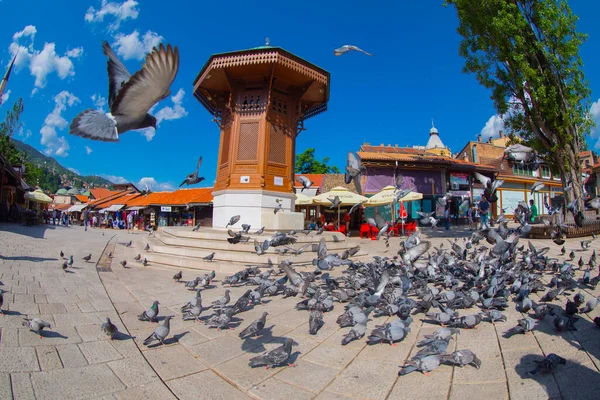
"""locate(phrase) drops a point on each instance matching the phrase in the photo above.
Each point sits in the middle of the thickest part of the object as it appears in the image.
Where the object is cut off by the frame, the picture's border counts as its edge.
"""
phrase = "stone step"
(180, 247)
(222, 244)
(226, 267)
(213, 234)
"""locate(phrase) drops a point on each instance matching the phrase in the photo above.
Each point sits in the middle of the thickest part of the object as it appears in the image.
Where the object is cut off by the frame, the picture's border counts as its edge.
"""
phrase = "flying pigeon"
(354, 169)
(306, 183)
(335, 202)
(356, 206)
(346, 48)
(160, 333)
(129, 97)
(233, 220)
(193, 178)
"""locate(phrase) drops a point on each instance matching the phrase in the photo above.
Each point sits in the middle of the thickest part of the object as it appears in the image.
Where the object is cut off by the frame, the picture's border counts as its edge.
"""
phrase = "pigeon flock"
(468, 282)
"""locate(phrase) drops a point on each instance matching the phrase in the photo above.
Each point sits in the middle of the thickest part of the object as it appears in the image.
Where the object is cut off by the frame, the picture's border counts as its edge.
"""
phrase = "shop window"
(521, 170)
(546, 172)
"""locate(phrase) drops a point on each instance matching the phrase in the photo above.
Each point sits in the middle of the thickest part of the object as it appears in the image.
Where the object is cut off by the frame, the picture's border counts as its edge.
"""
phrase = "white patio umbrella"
(386, 196)
(346, 197)
(303, 200)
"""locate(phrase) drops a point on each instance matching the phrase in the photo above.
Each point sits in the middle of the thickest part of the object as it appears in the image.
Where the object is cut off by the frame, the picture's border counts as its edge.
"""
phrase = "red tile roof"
(179, 197)
(585, 153)
(316, 179)
(390, 149)
(99, 203)
(122, 200)
(82, 198)
(99, 193)
(424, 158)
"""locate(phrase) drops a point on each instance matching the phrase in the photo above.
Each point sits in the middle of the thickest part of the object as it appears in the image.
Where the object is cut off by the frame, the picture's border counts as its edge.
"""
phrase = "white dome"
(434, 142)
(433, 130)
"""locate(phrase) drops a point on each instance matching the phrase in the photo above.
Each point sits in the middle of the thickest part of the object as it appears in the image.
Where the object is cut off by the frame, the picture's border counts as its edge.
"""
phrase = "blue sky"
(415, 75)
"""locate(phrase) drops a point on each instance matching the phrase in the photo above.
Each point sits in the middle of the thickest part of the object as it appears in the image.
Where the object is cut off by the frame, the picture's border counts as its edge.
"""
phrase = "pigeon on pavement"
(36, 325)
(160, 333)
(109, 329)
(275, 357)
(462, 358)
(255, 327)
(150, 314)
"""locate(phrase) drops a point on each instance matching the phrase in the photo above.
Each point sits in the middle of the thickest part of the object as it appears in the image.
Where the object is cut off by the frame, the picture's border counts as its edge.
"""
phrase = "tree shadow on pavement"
(37, 231)
(570, 381)
(27, 258)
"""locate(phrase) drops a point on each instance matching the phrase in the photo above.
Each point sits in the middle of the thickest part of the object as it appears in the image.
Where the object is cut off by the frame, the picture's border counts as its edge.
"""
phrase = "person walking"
(483, 207)
(130, 222)
(86, 218)
(54, 217)
(447, 216)
(470, 212)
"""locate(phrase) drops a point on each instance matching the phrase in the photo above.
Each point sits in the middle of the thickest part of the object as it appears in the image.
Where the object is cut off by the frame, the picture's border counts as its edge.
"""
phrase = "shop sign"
(278, 181)
(165, 208)
(458, 179)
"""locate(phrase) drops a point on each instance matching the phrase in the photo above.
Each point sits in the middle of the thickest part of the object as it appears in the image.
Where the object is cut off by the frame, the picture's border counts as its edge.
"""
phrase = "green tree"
(307, 164)
(8, 127)
(527, 53)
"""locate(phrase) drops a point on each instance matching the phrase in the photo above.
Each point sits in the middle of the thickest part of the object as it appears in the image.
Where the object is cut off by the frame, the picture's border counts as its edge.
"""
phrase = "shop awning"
(38, 196)
(77, 208)
(113, 208)
(135, 208)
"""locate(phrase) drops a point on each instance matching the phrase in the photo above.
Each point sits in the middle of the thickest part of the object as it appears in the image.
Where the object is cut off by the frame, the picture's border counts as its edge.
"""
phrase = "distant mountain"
(67, 177)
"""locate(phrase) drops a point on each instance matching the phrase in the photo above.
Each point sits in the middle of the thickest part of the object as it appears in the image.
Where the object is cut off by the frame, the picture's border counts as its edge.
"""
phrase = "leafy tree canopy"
(307, 164)
(527, 53)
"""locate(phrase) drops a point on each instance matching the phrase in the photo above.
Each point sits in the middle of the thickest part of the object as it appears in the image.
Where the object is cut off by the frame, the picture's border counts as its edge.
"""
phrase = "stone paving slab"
(200, 360)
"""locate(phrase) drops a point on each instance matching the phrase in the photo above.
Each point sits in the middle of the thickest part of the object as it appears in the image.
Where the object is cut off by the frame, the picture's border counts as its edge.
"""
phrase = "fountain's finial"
(267, 42)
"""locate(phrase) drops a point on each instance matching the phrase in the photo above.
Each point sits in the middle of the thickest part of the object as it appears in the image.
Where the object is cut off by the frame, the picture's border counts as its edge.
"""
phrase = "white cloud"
(131, 47)
(24, 134)
(114, 178)
(99, 102)
(54, 122)
(148, 183)
(43, 62)
(73, 170)
(167, 113)
(492, 127)
(74, 53)
(33, 92)
(595, 115)
(88, 150)
(120, 11)
(170, 113)
(148, 133)
(5, 97)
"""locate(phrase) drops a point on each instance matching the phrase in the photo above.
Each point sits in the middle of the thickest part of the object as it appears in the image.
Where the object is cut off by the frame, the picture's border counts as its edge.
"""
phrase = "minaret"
(6, 76)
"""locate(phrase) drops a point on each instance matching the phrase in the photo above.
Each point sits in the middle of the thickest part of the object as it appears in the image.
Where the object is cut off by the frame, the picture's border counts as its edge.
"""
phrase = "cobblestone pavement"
(75, 360)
